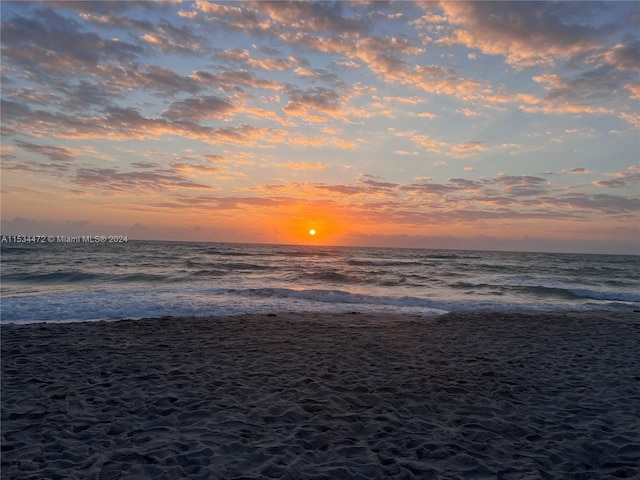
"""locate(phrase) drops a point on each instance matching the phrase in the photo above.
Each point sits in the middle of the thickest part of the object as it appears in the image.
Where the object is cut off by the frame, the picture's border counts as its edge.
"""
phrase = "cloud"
(162, 80)
(267, 114)
(602, 203)
(272, 18)
(467, 112)
(524, 185)
(375, 200)
(314, 17)
(344, 189)
(602, 85)
(634, 88)
(244, 58)
(404, 152)
(55, 154)
(375, 182)
(413, 100)
(384, 58)
(215, 159)
(550, 107)
(110, 6)
(580, 170)
(233, 81)
(127, 124)
(515, 30)
(455, 150)
(465, 149)
(319, 74)
(171, 39)
(230, 17)
(200, 108)
(382, 55)
(163, 35)
(146, 180)
(525, 33)
(317, 99)
(303, 165)
(144, 165)
(428, 188)
(191, 170)
(60, 159)
(624, 56)
(610, 183)
(622, 179)
(632, 119)
(46, 43)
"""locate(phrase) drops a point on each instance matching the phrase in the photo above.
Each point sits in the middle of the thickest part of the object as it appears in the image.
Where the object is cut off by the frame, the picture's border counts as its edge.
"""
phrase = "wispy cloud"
(304, 166)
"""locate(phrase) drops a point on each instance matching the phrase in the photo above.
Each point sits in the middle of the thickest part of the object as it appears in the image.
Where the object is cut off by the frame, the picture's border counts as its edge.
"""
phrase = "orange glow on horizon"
(316, 227)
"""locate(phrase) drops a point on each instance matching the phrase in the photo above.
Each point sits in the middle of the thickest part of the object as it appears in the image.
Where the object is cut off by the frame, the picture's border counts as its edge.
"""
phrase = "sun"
(312, 232)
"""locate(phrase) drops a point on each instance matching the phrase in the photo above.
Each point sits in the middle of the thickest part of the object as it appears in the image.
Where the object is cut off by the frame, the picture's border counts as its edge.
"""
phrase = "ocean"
(81, 280)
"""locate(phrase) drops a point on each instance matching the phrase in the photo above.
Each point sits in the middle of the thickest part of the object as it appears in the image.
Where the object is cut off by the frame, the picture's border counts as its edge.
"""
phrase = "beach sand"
(319, 396)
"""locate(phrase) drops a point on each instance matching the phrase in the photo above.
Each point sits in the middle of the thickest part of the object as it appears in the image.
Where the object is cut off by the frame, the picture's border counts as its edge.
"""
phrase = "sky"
(475, 125)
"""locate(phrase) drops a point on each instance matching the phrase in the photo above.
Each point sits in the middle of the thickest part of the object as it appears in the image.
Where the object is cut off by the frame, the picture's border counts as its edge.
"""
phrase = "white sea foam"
(203, 301)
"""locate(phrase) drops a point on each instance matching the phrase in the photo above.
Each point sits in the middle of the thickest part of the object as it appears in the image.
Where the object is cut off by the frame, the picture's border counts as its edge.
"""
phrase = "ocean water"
(61, 281)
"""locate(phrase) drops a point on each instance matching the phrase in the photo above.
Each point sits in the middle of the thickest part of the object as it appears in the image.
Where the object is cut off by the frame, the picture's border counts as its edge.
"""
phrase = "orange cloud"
(244, 57)
(303, 165)
(551, 107)
(460, 150)
(634, 88)
(632, 119)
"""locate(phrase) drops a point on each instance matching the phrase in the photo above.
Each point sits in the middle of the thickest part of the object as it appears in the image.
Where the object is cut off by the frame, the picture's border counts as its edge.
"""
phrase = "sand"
(317, 396)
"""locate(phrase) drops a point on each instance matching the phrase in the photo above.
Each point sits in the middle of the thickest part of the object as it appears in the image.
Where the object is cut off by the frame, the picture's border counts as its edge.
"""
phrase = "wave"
(569, 293)
(225, 253)
(72, 276)
(139, 277)
(381, 263)
(493, 268)
(610, 296)
(308, 253)
(228, 266)
(445, 256)
(246, 266)
(450, 256)
(209, 273)
(543, 291)
(199, 300)
(335, 296)
(329, 276)
(154, 302)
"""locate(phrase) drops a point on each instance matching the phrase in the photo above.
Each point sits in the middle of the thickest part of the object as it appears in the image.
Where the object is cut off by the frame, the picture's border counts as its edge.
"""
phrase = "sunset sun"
(312, 232)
